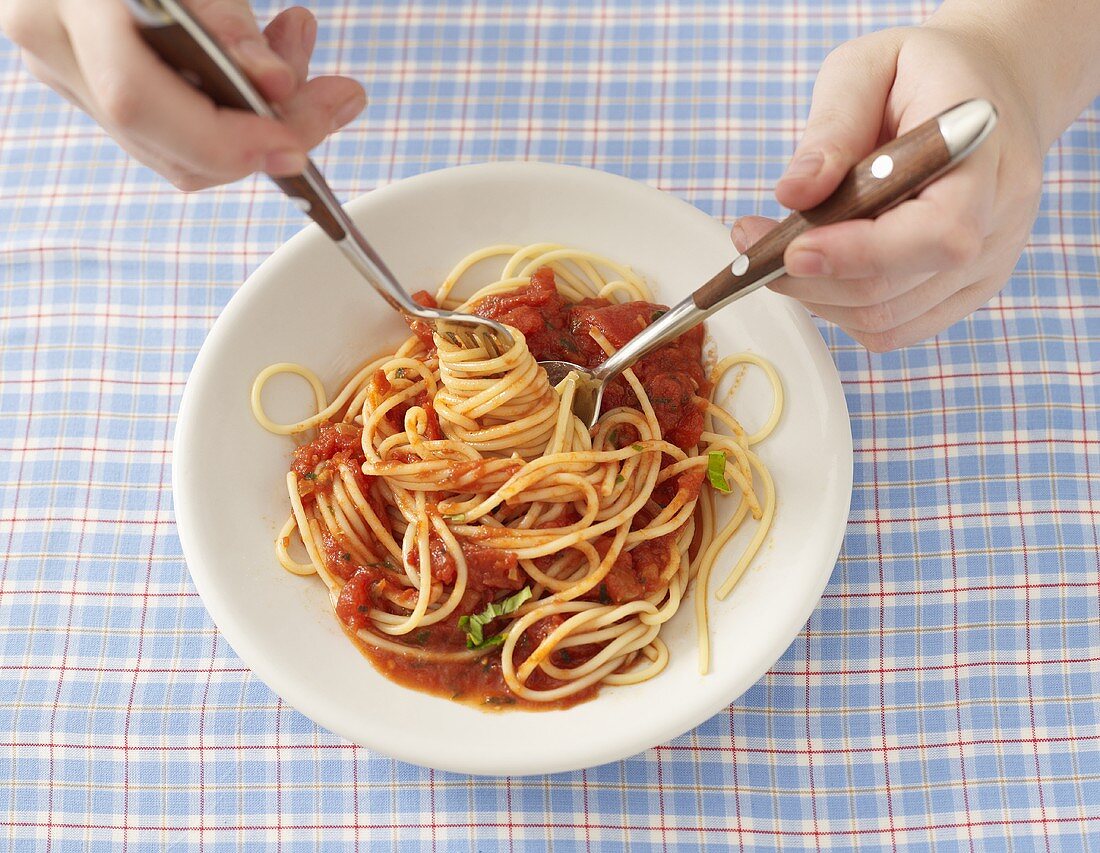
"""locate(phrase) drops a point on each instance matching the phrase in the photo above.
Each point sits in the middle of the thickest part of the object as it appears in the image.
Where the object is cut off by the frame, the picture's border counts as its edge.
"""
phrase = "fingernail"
(740, 238)
(286, 162)
(808, 262)
(804, 166)
(348, 111)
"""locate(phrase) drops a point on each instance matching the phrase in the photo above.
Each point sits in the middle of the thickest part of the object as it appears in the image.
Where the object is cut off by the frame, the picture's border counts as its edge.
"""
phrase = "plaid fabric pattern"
(944, 693)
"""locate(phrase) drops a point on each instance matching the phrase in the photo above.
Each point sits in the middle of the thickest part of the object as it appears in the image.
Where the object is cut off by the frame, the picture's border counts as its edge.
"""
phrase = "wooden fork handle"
(883, 179)
(185, 45)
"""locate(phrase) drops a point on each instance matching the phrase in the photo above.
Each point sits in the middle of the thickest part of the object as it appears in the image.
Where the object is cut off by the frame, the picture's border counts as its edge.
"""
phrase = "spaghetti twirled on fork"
(477, 539)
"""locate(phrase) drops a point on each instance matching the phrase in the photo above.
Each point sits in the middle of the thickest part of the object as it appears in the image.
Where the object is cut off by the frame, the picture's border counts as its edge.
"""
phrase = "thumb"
(846, 118)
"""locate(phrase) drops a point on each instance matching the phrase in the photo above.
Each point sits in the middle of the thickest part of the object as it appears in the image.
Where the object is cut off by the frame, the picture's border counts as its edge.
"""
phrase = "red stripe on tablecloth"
(668, 747)
(954, 596)
(736, 786)
(774, 672)
(621, 827)
(881, 614)
(796, 108)
(97, 425)
(1024, 564)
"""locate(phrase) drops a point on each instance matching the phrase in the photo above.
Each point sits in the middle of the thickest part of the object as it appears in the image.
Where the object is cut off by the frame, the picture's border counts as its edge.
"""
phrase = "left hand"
(915, 270)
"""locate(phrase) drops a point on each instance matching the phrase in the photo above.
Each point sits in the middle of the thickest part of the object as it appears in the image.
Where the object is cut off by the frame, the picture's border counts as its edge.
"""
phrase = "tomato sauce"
(335, 443)
(675, 383)
(486, 568)
(479, 683)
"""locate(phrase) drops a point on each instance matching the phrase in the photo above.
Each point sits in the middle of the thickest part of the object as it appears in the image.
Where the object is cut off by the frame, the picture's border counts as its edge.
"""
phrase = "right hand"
(90, 52)
(912, 272)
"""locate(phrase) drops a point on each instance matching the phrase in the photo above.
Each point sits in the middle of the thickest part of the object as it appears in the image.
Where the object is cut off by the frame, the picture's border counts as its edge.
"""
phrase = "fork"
(185, 45)
(886, 177)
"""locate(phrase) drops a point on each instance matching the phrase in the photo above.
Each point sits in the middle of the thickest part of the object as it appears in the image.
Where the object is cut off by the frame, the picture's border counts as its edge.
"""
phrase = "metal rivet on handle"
(882, 166)
(740, 266)
(303, 204)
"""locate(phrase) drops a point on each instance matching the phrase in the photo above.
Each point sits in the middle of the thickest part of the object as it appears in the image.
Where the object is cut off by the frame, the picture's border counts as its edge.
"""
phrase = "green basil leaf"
(474, 625)
(491, 642)
(716, 470)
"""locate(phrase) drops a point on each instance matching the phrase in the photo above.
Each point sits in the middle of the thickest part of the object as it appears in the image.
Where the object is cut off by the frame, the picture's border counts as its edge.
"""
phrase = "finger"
(69, 86)
(233, 24)
(848, 293)
(942, 229)
(823, 291)
(33, 30)
(961, 304)
(45, 49)
(845, 120)
(748, 229)
(874, 317)
(292, 34)
(141, 97)
(323, 105)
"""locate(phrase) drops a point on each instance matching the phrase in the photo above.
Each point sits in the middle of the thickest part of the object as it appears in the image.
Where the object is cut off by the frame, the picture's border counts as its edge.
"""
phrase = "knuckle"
(876, 341)
(842, 55)
(21, 25)
(228, 20)
(961, 241)
(120, 103)
(39, 69)
(829, 120)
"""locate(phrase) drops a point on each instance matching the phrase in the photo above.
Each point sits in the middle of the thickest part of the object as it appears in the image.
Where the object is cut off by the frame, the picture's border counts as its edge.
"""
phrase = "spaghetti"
(479, 540)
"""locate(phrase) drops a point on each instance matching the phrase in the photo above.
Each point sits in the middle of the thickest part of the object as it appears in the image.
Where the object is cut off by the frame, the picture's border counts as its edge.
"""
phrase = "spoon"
(888, 176)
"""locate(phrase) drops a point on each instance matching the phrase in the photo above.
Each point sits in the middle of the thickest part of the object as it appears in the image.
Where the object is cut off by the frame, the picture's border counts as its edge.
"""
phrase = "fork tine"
(468, 332)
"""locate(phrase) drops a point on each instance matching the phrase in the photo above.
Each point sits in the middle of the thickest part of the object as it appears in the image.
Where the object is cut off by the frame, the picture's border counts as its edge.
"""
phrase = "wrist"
(1046, 56)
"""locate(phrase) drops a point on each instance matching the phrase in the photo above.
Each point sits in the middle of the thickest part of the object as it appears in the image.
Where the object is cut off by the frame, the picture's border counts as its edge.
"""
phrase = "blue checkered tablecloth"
(943, 694)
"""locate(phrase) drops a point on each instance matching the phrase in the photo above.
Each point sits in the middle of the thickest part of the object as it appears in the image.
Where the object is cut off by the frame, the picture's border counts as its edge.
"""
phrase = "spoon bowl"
(588, 393)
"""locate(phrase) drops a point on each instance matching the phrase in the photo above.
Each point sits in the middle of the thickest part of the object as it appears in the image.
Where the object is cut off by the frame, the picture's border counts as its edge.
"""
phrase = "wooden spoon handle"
(883, 179)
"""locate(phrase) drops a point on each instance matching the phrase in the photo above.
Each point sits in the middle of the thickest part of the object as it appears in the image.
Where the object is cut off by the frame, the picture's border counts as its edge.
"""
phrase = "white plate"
(304, 304)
